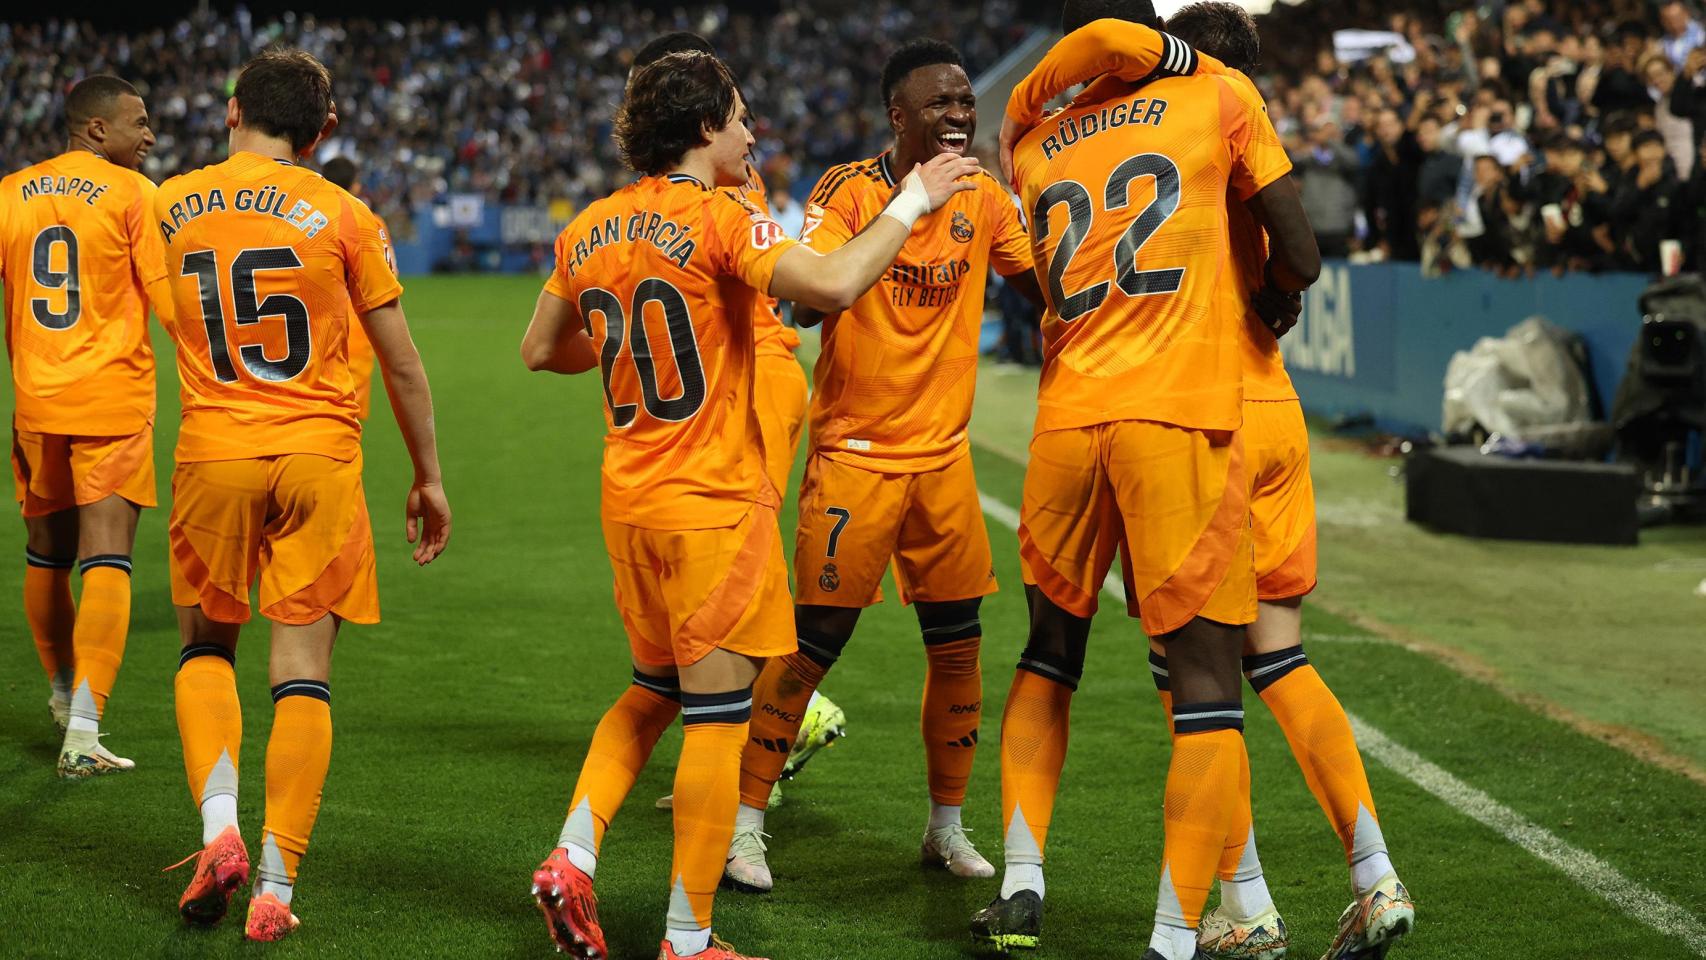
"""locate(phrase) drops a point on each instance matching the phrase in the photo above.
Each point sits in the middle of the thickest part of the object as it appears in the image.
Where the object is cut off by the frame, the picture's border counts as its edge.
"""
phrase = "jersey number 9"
(50, 279)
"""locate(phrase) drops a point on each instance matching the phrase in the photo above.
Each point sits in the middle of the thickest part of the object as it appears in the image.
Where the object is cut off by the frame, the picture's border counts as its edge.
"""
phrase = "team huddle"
(1153, 220)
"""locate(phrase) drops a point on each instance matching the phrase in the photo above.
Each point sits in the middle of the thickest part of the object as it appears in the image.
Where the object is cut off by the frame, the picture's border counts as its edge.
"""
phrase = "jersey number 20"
(632, 326)
(1081, 214)
(204, 266)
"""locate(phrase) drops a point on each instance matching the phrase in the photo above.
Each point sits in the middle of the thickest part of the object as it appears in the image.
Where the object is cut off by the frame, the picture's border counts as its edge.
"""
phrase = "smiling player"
(890, 474)
(82, 262)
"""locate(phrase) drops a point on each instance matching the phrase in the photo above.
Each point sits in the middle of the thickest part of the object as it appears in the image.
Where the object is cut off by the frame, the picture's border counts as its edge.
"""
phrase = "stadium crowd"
(1517, 136)
(516, 107)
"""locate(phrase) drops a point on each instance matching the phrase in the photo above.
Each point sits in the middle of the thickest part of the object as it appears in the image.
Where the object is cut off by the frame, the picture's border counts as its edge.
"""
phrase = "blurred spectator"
(1391, 189)
(1683, 33)
(511, 107)
(1678, 132)
(1646, 207)
(1327, 171)
(1441, 170)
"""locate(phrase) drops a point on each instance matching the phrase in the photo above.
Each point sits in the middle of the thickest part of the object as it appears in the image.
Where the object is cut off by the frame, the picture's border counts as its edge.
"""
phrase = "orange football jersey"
(270, 265)
(1116, 48)
(1127, 189)
(1131, 51)
(898, 371)
(774, 337)
(668, 275)
(1264, 369)
(81, 259)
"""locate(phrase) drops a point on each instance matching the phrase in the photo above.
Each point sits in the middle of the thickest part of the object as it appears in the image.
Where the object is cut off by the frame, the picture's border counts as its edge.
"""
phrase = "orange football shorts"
(297, 522)
(684, 593)
(779, 393)
(1282, 498)
(55, 472)
(1177, 499)
(853, 521)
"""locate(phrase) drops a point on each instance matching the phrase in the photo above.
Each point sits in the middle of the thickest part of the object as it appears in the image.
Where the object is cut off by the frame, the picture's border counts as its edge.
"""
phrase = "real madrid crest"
(961, 227)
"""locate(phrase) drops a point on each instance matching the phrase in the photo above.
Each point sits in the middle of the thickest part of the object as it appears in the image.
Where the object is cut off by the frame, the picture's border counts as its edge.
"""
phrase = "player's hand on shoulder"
(941, 177)
(1011, 134)
(428, 521)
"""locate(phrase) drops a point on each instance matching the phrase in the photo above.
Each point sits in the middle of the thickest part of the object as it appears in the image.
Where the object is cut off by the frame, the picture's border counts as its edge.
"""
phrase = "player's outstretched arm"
(1130, 51)
(428, 510)
(831, 282)
(556, 338)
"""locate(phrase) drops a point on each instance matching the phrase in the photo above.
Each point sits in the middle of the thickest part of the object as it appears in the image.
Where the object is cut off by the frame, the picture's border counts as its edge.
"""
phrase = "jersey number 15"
(204, 266)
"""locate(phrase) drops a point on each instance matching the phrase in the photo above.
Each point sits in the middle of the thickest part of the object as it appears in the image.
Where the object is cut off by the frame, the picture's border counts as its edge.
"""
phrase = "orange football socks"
(620, 748)
(707, 791)
(1034, 731)
(210, 723)
(298, 754)
(1207, 800)
(1321, 739)
(52, 617)
(779, 698)
(103, 622)
(949, 718)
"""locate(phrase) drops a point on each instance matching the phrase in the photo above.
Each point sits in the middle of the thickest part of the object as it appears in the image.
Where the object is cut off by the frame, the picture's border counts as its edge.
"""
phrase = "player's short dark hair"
(285, 93)
(1078, 13)
(1222, 30)
(341, 171)
(913, 55)
(676, 41)
(671, 106)
(94, 97)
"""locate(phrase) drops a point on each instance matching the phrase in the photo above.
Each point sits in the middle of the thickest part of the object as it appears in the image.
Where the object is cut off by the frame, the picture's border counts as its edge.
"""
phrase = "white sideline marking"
(1586, 869)
(1592, 873)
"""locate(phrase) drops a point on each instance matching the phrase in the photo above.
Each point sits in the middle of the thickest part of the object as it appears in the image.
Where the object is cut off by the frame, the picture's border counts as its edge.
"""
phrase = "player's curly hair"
(1222, 30)
(673, 106)
(285, 93)
(1079, 13)
(913, 55)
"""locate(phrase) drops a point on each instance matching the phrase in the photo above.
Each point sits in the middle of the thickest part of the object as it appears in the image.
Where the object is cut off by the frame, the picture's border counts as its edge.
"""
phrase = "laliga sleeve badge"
(962, 228)
(765, 233)
(830, 580)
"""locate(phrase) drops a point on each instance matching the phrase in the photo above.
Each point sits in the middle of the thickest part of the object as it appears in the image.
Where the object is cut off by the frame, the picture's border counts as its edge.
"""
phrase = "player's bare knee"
(823, 632)
(198, 630)
(1203, 661)
(1057, 635)
(53, 536)
(303, 651)
(107, 527)
(1278, 626)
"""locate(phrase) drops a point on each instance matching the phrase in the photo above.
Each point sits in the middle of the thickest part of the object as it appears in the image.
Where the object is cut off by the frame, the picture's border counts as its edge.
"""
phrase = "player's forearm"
(1294, 258)
(831, 282)
(406, 385)
(160, 298)
(1130, 51)
(411, 404)
(572, 353)
(556, 340)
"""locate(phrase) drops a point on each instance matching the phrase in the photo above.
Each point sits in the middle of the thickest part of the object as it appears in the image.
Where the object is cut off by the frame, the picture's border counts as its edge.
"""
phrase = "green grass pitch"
(462, 718)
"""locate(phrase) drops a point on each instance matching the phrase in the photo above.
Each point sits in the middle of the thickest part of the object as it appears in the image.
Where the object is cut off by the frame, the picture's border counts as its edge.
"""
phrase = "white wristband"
(911, 203)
